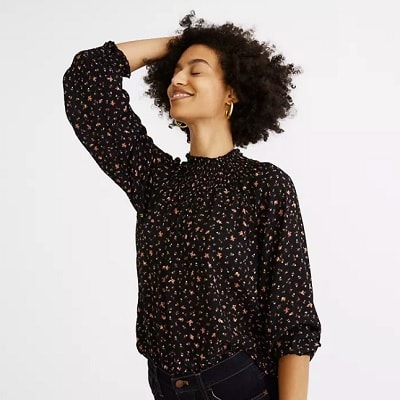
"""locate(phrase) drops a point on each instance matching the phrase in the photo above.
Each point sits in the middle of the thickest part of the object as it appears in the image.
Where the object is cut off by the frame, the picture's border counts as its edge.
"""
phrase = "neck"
(210, 140)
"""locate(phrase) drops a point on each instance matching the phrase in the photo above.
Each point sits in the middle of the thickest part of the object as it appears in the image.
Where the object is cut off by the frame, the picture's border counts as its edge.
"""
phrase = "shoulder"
(273, 185)
(269, 176)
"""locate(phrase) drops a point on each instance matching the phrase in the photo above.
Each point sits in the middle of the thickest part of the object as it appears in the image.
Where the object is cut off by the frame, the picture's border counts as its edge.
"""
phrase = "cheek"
(215, 99)
(214, 94)
(169, 90)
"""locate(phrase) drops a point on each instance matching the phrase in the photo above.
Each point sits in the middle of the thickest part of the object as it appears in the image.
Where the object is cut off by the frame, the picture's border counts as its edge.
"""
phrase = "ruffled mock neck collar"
(213, 172)
(232, 155)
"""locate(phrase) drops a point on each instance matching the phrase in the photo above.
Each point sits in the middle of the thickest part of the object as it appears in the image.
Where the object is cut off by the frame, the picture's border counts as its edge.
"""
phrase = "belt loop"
(153, 370)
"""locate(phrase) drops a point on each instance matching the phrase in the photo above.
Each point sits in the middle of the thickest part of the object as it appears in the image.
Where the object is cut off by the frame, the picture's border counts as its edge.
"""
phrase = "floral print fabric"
(222, 257)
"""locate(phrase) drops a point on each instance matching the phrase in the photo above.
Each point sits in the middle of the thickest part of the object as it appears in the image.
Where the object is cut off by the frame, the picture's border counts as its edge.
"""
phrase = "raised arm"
(139, 51)
(99, 110)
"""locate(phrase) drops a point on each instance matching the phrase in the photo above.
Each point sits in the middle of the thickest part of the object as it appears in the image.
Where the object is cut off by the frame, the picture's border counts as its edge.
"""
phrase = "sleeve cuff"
(298, 347)
(117, 59)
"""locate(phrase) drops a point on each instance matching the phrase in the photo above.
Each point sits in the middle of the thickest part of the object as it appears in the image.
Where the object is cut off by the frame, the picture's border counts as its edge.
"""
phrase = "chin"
(180, 113)
(179, 116)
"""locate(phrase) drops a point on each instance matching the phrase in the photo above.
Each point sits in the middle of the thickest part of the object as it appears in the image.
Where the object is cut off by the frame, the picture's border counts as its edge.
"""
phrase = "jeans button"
(180, 384)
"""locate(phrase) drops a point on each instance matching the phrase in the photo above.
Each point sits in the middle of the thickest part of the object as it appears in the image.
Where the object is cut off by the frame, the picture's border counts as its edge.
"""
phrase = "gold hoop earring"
(229, 112)
(181, 125)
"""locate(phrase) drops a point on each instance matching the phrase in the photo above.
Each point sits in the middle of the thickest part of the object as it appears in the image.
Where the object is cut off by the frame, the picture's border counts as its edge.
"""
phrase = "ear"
(232, 97)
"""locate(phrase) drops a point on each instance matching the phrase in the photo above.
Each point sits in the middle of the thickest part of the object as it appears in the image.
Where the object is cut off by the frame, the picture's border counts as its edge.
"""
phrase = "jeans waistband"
(207, 377)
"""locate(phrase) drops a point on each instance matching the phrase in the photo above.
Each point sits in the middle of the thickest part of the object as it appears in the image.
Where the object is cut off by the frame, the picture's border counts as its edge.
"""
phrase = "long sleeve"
(98, 109)
(291, 321)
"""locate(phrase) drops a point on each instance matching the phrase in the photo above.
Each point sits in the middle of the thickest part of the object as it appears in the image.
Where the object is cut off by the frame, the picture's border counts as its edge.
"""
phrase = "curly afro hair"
(261, 79)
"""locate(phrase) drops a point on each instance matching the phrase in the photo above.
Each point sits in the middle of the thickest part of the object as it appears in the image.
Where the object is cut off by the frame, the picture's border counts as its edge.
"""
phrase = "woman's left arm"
(292, 324)
(293, 377)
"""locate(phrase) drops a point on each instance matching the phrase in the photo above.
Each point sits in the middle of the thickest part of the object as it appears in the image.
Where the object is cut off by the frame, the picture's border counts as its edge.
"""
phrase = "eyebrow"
(194, 61)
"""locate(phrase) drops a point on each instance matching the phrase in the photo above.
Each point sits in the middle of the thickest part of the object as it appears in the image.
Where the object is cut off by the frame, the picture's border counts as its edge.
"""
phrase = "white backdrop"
(67, 247)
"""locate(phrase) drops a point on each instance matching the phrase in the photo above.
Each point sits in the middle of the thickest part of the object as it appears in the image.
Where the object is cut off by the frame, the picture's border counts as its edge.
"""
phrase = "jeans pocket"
(262, 396)
(269, 385)
(243, 385)
(154, 384)
(152, 381)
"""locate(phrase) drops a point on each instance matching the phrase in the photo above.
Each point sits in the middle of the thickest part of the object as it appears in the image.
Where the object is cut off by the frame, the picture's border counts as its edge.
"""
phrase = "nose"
(179, 78)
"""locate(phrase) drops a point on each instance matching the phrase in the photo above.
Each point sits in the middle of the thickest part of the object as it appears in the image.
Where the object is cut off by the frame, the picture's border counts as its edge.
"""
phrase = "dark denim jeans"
(236, 378)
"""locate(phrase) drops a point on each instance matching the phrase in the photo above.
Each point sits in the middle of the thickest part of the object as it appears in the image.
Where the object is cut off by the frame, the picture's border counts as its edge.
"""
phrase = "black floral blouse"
(222, 258)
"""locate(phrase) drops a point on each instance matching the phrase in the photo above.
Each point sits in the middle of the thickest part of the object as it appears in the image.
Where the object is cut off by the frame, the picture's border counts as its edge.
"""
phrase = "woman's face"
(197, 90)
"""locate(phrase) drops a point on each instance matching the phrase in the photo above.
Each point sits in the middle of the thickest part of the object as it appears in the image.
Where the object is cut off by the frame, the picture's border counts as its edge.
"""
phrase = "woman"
(225, 307)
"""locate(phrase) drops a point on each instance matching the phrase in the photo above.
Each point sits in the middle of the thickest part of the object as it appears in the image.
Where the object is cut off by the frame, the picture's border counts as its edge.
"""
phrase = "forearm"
(293, 377)
(138, 51)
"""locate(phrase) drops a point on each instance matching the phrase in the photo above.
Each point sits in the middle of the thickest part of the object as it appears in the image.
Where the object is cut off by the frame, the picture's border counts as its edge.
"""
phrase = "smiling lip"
(180, 95)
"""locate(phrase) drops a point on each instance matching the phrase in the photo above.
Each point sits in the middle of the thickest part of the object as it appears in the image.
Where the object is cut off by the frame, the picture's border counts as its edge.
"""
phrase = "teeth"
(181, 95)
